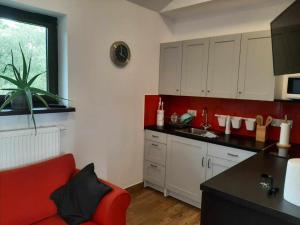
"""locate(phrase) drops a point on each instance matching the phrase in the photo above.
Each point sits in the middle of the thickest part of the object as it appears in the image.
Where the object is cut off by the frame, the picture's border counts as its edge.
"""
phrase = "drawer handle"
(208, 163)
(154, 166)
(155, 145)
(154, 136)
(232, 155)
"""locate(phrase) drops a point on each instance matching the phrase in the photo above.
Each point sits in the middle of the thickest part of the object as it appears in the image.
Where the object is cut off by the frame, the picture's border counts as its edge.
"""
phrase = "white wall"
(107, 127)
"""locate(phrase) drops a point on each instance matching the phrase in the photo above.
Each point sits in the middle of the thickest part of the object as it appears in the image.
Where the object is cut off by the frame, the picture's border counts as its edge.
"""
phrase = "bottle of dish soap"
(228, 125)
(160, 114)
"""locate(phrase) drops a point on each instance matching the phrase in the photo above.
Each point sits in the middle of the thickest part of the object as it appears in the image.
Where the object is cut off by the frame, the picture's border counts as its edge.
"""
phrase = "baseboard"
(135, 188)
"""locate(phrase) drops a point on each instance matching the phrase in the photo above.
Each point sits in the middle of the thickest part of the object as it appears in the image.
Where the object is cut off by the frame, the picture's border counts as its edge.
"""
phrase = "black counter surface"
(240, 184)
(234, 141)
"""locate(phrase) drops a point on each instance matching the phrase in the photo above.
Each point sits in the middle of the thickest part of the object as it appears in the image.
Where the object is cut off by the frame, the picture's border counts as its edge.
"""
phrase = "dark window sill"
(10, 112)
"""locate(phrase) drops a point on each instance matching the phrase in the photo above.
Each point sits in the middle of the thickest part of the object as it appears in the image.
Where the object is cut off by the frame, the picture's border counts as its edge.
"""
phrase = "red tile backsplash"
(151, 104)
(233, 107)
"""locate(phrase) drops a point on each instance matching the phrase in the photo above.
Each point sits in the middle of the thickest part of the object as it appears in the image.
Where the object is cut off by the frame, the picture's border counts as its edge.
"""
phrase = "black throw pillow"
(77, 201)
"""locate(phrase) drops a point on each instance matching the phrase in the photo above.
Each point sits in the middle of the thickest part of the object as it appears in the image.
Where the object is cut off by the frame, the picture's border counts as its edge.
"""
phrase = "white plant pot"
(236, 122)
(222, 120)
(250, 124)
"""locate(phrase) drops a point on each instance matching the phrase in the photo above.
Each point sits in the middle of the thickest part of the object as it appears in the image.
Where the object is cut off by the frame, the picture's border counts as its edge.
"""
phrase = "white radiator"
(21, 147)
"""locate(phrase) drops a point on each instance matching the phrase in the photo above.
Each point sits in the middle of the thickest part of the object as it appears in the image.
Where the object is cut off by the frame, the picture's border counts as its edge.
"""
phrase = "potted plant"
(21, 96)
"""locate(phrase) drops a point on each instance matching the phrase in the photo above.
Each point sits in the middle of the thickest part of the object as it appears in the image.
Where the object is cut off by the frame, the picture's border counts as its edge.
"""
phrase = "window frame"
(50, 23)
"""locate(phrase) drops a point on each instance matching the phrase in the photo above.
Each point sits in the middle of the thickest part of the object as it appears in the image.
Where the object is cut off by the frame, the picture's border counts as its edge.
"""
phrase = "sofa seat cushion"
(56, 220)
(25, 192)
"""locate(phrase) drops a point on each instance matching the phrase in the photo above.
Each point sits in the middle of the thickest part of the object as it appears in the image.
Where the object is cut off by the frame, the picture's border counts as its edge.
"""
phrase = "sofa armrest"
(113, 207)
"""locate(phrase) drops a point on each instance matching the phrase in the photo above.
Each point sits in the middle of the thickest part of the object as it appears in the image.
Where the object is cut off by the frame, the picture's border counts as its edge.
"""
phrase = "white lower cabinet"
(155, 160)
(185, 172)
(154, 173)
(216, 166)
(221, 158)
(177, 166)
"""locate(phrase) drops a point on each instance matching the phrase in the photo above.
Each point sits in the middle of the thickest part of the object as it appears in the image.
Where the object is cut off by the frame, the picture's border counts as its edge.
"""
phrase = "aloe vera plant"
(24, 85)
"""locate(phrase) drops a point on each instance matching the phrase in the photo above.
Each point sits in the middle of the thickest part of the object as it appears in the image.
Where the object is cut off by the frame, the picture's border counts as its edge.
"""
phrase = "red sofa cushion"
(56, 220)
(25, 192)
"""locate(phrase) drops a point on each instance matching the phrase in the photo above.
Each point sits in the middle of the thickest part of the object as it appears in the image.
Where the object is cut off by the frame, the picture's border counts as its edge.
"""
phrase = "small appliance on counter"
(292, 182)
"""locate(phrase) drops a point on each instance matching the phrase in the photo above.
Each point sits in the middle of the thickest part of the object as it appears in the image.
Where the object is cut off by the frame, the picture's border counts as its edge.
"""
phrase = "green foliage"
(23, 84)
(33, 39)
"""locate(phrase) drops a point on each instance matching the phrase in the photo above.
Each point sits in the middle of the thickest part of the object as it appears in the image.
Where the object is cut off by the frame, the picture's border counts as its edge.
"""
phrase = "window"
(37, 35)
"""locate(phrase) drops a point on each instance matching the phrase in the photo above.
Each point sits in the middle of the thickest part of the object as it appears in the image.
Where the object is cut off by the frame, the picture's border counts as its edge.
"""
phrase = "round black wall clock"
(120, 53)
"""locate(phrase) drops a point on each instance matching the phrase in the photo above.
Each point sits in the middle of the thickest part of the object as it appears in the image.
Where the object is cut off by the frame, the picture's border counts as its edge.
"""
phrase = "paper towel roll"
(285, 134)
(160, 118)
(292, 182)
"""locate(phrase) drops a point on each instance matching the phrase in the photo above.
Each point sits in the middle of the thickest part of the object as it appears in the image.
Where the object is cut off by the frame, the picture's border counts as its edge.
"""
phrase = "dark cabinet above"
(285, 41)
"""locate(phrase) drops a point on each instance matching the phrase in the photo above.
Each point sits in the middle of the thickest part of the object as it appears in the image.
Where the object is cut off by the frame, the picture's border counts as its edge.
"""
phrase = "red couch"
(25, 195)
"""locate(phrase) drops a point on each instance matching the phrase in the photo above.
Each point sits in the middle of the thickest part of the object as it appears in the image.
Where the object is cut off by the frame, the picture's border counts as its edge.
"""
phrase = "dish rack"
(178, 124)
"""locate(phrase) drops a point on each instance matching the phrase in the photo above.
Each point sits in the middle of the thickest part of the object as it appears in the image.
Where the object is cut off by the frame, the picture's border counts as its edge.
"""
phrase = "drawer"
(232, 154)
(155, 152)
(156, 136)
(154, 173)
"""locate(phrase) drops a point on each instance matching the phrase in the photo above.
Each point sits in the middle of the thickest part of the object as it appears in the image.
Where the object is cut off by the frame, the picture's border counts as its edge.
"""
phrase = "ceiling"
(156, 5)
(180, 9)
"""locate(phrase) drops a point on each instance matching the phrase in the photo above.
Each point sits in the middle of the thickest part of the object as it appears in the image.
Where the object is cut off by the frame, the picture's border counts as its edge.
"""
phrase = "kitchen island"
(236, 197)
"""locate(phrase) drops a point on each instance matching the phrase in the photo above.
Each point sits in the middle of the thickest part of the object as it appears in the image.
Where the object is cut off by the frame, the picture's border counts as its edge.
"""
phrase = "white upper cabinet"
(256, 76)
(232, 66)
(194, 67)
(223, 68)
(170, 68)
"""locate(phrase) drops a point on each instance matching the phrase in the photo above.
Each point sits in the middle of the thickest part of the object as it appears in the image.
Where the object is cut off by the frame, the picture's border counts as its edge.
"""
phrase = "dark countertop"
(240, 184)
(234, 141)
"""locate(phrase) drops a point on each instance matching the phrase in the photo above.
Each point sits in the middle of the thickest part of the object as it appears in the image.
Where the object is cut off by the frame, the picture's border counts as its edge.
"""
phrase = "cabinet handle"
(154, 136)
(155, 145)
(202, 91)
(203, 161)
(154, 166)
(177, 90)
(208, 163)
(233, 155)
(208, 91)
(240, 92)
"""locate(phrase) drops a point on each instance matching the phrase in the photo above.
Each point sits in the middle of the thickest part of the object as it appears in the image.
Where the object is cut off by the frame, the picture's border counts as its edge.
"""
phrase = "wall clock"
(120, 53)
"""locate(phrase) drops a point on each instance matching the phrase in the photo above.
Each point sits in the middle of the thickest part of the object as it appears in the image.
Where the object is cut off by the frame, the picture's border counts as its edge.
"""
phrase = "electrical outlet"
(192, 112)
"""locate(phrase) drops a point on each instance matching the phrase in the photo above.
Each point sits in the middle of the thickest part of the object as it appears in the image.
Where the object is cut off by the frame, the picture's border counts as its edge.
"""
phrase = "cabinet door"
(170, 68)
(256, 76)
(223, 67)
(216, 166)
(194, 67)
(185, 171)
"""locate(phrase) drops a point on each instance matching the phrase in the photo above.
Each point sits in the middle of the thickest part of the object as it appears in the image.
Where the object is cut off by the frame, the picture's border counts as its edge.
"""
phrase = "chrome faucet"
(205, 125)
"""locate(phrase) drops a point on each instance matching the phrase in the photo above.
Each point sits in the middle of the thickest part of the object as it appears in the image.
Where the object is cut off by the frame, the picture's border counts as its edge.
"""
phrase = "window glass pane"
(33, 40)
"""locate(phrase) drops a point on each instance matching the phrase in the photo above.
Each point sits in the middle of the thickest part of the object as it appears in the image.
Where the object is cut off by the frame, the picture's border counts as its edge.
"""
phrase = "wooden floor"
(150, 207)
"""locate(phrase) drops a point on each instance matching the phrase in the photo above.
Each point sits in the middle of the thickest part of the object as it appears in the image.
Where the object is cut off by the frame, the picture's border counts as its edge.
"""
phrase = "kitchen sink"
(198, 132)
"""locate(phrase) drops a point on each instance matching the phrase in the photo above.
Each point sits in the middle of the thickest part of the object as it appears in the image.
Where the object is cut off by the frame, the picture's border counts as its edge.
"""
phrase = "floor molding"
(135, 188)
